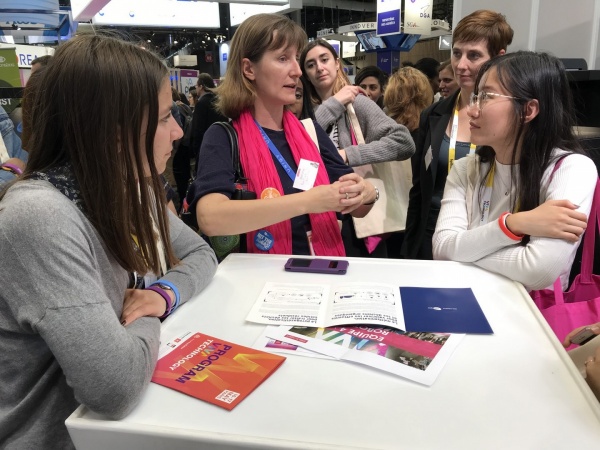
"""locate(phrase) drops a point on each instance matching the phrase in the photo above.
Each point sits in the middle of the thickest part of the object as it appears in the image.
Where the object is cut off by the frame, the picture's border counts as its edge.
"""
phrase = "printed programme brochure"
(212, 369)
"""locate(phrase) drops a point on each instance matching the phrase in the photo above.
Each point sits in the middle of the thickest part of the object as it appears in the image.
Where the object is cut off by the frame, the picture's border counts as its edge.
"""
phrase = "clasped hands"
(347, 194)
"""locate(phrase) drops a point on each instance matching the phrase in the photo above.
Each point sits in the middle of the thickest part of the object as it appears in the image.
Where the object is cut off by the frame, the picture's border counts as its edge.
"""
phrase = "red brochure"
(214, 370)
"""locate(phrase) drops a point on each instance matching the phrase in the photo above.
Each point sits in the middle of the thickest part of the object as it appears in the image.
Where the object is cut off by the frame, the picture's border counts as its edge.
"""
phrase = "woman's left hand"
(558, 219)
(142, 302)
(356, 194)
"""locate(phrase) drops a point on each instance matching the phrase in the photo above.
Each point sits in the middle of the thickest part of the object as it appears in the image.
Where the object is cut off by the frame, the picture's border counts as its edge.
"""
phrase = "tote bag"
(580, 305)
(393, 179)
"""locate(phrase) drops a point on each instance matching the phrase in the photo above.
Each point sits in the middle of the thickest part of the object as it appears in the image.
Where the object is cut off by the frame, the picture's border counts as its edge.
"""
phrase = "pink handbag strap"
(589, 241)
(589, 238)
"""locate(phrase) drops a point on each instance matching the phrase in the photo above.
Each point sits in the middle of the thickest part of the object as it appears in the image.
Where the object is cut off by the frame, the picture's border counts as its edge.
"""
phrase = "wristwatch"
(376, 197)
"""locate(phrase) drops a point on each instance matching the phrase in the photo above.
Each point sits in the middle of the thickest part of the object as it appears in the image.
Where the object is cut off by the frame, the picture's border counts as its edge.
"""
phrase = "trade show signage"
(388, 16)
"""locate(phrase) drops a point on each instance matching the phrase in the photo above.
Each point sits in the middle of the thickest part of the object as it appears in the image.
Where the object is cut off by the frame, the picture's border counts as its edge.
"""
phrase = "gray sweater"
(61, 342)
(385, 140)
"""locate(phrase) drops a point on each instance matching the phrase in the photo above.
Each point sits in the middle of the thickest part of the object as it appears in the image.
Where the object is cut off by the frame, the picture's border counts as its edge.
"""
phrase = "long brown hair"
(88, 111)
(341, 79)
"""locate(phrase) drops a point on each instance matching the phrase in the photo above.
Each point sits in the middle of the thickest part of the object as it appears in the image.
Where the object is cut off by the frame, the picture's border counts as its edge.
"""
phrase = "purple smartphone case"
(317, 266)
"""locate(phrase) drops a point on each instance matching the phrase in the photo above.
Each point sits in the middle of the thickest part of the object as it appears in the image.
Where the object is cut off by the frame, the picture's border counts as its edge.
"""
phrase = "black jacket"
(204, 116)
(432, 127)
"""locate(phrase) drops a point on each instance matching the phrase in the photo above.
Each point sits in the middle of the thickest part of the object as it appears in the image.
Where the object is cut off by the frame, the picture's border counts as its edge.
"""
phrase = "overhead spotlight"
(175, 42)
(149, 40)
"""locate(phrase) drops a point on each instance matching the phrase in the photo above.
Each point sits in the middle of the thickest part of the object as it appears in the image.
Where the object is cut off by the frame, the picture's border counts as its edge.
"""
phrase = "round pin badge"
(264, 240)
(270, 192)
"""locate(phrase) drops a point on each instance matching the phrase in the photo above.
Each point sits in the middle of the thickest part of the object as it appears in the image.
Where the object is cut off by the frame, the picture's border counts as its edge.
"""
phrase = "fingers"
(141, 302)
(351, 177)
(567, 341)
(136, 311)
(564, 203)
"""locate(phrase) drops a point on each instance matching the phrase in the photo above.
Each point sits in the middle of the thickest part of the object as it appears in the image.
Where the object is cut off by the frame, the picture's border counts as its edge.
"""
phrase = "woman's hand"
(359, 192)
(595, 328)
(592, 364)
(328, 197)
(143, 302)
(348, 93)
(553, 219)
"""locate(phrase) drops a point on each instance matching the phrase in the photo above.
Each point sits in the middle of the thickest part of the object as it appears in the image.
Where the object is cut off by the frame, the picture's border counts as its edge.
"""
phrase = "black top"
(432, 129)
(216, 174)
(204, 116)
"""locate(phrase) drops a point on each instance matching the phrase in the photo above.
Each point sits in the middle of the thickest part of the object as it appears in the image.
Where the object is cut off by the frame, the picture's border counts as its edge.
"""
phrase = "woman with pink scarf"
(299, 188)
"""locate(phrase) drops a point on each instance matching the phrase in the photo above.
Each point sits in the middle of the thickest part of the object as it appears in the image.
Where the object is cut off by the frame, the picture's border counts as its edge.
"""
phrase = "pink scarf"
(259, 168)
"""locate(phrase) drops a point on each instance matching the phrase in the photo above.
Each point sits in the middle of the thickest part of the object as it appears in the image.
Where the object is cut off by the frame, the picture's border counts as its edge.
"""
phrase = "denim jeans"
(12, 142)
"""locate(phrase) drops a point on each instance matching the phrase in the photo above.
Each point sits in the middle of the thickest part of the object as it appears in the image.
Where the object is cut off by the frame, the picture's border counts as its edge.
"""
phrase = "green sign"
(9, 77)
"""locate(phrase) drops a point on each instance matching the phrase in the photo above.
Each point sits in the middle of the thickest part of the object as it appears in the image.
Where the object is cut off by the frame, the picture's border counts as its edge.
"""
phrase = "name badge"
(306, 175)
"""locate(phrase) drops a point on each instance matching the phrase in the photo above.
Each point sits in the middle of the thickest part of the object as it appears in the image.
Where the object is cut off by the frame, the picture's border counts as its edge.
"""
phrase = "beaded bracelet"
(12, 168)
(504, 228)
(164, 295)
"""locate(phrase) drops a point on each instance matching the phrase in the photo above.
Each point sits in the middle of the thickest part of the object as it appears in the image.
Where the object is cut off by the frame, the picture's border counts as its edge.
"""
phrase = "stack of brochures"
(407, 331)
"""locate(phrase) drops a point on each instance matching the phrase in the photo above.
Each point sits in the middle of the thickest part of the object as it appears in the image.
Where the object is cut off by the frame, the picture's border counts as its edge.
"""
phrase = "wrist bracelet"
(376, 197)
(12, 168)
(164, 284)
(164, 295)
(504, 228)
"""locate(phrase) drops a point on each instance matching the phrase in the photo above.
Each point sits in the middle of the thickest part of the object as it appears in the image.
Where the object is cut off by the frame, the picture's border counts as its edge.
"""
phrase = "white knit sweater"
(460, 235)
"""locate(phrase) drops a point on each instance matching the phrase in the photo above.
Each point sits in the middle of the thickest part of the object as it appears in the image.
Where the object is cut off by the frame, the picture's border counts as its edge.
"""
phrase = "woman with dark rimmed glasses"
(519, 206)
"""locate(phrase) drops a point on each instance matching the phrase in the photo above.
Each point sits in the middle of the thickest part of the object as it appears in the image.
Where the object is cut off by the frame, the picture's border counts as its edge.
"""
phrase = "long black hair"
(527, 76)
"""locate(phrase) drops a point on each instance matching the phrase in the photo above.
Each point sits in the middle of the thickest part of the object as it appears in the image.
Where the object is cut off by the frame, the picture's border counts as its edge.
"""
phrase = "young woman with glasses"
(519, 206)
(444, 135)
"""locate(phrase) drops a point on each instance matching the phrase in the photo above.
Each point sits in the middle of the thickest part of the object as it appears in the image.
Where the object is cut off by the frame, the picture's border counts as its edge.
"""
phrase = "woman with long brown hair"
(90, 256)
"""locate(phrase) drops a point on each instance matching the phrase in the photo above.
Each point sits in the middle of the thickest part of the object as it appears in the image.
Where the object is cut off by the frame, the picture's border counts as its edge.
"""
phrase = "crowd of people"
(491, 174)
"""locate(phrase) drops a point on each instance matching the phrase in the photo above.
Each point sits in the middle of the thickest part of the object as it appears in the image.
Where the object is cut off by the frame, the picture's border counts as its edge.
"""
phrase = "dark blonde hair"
(96, 126)
(255, 36)
(341, 79)
(407, 94)
(486, 25)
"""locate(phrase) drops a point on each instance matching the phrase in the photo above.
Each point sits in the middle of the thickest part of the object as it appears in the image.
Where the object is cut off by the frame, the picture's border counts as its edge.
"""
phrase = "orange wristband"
(504, 228)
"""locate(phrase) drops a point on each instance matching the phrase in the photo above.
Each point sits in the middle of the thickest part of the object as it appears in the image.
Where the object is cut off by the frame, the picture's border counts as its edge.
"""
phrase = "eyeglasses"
(482, 97)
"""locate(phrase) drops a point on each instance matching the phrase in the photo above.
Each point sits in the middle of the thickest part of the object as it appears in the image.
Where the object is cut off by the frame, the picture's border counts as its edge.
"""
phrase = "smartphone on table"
(311, 265)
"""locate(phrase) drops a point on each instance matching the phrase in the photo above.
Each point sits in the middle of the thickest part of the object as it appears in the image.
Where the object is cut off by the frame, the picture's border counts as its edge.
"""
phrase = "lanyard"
(453, 134)
(487, 196)
(276, 153)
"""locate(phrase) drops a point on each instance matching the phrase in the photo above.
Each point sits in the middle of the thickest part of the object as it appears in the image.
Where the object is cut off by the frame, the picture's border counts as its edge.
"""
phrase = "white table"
(515, 389)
